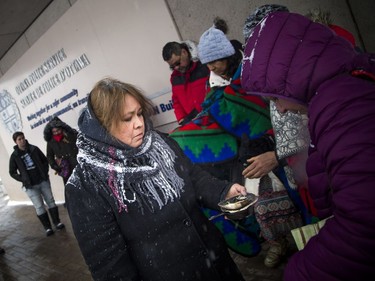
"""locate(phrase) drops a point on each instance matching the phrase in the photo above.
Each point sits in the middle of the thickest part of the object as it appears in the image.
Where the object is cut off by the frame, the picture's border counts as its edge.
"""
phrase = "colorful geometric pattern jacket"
(227, 113)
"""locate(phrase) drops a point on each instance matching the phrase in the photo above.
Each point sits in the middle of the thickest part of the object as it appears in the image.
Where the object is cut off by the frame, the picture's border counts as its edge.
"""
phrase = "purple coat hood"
(284, 58)
(291, 57)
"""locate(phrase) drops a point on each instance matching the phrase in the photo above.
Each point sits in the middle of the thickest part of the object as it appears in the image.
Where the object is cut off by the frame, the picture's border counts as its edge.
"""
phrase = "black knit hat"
(259, 14)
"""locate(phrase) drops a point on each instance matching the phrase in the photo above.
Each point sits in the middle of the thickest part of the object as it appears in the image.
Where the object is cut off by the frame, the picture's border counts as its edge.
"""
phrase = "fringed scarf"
(145, 175)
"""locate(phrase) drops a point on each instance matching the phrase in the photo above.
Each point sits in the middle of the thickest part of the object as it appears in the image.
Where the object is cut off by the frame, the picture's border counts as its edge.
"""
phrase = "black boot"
(44, 219)
(54, 212)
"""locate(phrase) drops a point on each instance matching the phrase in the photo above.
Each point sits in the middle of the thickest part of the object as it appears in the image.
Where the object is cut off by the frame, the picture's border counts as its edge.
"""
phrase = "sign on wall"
(92, 40)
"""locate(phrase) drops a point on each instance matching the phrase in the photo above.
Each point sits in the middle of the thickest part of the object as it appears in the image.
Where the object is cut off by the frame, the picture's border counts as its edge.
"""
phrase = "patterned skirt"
(275, 212)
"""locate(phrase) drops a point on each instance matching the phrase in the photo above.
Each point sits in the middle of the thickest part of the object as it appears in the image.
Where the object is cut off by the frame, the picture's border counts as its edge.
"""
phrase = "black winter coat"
(17, 169)
(176, 242)
(65, 149)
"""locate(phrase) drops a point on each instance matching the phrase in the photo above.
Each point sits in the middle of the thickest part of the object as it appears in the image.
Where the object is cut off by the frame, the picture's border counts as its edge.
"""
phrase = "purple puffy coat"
(291, 57)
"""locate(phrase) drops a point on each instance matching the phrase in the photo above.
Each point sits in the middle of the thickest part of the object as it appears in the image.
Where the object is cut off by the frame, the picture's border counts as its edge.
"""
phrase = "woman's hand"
(236, 189)
(260, 165)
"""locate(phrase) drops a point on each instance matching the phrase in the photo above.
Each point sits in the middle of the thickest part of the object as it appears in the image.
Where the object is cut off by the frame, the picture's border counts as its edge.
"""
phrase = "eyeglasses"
(176, 64)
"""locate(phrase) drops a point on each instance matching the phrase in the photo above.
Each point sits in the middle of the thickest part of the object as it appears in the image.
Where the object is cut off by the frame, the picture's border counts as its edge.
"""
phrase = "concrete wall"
(192, 18)
(363, 16)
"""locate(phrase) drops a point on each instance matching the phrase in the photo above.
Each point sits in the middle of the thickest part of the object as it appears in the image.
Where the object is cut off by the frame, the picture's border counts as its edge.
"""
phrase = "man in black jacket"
(29, 165)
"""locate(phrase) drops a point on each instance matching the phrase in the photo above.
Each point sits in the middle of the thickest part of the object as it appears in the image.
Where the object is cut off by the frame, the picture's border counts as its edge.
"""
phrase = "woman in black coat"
(134, 198)
(61, 147)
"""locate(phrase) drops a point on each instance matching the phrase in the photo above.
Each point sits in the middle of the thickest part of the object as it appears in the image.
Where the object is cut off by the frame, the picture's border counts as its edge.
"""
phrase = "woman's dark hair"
(173, 48)
(234, 60)
(16, 135)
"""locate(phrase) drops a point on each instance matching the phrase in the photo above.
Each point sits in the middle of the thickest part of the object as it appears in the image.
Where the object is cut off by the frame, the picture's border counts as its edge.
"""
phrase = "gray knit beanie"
(214, 45)
(259, 14)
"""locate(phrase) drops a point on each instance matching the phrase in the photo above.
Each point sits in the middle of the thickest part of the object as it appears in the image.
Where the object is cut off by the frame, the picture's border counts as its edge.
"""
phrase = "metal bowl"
(238, 207)
(238, 202)
(240, 213)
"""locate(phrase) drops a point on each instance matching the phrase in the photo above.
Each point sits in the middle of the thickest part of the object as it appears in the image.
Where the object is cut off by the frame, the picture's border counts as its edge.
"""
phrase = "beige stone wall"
(193, 17)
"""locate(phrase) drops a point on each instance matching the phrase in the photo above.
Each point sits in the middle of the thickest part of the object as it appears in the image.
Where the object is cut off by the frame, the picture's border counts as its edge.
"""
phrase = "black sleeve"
(13, 169)
(209, 190)
(51, 158)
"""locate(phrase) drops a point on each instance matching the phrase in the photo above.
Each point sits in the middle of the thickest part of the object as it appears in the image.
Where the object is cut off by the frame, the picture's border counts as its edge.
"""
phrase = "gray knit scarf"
(144, 175)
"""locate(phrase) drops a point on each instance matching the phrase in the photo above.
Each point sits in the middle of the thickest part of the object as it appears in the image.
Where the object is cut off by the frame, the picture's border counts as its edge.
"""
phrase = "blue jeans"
(40, 192)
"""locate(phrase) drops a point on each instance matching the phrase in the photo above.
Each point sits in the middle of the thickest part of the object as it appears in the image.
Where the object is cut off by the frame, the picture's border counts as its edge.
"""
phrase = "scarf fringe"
(147, 177)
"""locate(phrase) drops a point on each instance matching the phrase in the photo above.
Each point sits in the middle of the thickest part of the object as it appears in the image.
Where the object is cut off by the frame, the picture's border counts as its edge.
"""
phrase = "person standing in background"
(188, 79)
(29, 165)
(61, 147)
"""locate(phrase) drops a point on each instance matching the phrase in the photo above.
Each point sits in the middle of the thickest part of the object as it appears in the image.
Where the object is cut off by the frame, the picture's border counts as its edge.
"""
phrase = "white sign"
(92, 40)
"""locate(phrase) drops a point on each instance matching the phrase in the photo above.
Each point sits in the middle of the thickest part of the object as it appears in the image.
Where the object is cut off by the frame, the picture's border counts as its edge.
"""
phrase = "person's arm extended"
(260, 165)
(258, 156)
(209, 190)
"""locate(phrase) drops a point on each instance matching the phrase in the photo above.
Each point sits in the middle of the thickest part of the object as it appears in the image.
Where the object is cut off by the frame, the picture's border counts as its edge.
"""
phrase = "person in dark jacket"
(61, 147)
(134, 198)
(188, 79)
(29, 165)
(306, 67)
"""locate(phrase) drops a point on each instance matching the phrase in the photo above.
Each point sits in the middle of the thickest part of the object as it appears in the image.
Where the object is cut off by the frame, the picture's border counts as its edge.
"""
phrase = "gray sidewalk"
(30, 255)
